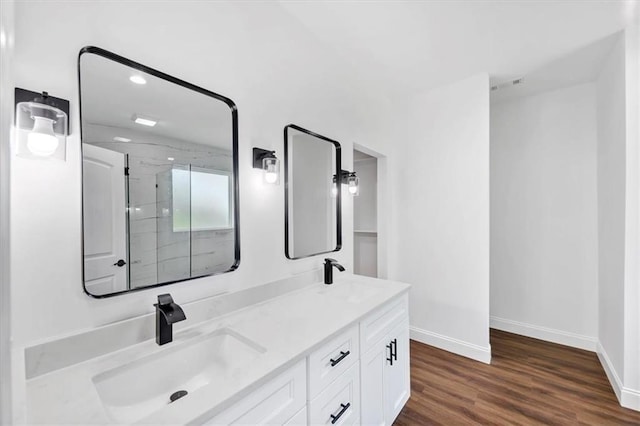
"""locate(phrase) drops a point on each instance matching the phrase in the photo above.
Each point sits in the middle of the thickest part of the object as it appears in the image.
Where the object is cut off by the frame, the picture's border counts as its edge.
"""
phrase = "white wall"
(611, 207)
(6, 116)
(544, 240)
(254, 53)
(443, 230)
(631, 391)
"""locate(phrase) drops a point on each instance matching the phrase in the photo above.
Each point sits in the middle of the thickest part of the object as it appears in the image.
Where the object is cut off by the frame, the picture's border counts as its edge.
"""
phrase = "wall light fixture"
(42, 124)
(269, 163)
(347, 178)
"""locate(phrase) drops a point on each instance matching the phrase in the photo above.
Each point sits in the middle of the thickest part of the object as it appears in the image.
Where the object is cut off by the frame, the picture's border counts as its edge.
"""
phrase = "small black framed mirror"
(313, 207)
(159, 177)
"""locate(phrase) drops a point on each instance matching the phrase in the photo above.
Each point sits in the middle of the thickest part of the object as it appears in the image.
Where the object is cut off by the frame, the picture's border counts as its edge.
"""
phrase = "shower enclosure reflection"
(194, 223)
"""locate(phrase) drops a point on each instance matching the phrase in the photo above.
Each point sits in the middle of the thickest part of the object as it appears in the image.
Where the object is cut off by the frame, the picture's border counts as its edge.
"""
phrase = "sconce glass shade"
(271, 168)
(353, 184)
(41, 128)
(41, 141)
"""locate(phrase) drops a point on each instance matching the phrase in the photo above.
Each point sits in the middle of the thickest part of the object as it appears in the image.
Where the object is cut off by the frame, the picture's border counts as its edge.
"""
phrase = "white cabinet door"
(396, 374)
(105, 237)
(299, 419)
(377, 325)
(372, 381)
(385, 378)
(275, 403)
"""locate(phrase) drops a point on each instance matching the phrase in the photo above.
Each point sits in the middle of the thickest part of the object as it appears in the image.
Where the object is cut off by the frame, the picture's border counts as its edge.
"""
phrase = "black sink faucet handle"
(165, 299)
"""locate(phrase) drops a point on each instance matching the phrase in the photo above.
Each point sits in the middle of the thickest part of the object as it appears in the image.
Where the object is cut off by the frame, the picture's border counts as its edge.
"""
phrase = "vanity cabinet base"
(360, 376)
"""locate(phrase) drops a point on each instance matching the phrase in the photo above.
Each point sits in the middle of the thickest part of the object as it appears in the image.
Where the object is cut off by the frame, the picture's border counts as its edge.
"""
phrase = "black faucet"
(328, 269)
(167, 313)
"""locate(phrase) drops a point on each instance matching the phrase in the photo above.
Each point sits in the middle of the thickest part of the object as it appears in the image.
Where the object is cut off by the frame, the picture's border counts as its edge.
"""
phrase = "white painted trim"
(613, 377)
(469, 350)
(628, 398)
(543, 333)
(7, 382)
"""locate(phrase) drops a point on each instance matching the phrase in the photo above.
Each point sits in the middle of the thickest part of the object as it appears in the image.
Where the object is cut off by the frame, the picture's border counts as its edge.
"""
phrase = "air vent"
(507, 84)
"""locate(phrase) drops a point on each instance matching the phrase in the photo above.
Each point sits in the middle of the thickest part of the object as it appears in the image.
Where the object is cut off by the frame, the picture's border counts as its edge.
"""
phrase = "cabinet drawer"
(274, 403)
(339, 403)
(332, 359)
(380, 323)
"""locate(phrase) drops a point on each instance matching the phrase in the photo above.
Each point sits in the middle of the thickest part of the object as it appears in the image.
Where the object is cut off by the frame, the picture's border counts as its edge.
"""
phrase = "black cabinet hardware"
(394, 342)
(393, 351)
(120, 263)
(343, 409)
(342, 356)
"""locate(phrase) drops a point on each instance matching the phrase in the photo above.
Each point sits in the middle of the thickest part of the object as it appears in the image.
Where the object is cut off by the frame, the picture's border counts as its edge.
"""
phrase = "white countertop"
(289, 327)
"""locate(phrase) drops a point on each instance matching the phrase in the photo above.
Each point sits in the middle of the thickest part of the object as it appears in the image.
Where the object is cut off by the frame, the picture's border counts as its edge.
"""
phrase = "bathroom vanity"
(160, 206)
(321, 354)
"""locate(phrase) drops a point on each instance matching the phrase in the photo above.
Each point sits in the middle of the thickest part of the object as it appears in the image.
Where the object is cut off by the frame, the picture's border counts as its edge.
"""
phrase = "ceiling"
(396, 47)
(111, 100)
(415, 45)
(361, 156)
(581, 66)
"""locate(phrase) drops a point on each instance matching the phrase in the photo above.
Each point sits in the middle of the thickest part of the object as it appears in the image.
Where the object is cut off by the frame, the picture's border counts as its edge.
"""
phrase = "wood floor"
(529, 382)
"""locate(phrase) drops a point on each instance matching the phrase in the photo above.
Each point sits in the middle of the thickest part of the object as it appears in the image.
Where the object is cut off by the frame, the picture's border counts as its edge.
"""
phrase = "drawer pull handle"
(342, 356)
(343, 408)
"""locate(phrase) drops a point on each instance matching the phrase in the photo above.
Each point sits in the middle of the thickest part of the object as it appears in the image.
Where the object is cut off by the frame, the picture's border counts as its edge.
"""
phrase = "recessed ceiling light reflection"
(144, 121)
(138, 79)
(121, 139)
(170, 158)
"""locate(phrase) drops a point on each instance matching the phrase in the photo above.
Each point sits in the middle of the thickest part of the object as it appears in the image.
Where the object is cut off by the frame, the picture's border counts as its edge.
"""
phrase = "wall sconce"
(269, 163)
(353, 184)
(346, 178)
(42, 124)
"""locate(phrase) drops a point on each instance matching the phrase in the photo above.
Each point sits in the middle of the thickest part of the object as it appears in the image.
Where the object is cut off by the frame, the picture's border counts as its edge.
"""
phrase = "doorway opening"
(369, 254)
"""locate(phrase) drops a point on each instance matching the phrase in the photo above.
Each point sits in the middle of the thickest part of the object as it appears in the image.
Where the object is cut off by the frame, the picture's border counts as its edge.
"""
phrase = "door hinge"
(126, 171)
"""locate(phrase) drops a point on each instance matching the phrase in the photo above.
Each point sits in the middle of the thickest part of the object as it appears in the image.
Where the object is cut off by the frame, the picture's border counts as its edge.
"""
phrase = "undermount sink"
(134, 390)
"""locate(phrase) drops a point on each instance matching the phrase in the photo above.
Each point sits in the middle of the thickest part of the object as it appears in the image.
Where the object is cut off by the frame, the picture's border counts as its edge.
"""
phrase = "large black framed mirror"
(313, 207)
(159, 177)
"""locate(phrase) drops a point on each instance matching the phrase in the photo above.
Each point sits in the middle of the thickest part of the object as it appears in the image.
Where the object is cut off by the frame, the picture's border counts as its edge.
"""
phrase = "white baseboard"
(628, 398)
(543, 333)
(613, 377)
(469, 350)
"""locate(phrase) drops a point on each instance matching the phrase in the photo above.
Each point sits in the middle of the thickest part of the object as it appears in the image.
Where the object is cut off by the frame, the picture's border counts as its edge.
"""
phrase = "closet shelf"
(365, 231)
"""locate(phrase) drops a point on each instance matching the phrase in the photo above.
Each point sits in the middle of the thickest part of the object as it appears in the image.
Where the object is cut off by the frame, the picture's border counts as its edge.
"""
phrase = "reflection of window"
(201, 200)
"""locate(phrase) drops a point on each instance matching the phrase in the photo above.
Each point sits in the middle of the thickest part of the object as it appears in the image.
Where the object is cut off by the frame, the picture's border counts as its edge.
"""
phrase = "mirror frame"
(286, 191)
(234, 128)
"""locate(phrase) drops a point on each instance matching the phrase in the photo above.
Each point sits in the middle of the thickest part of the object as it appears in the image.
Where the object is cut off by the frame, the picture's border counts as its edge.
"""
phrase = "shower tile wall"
(156, 252)
(187, 254)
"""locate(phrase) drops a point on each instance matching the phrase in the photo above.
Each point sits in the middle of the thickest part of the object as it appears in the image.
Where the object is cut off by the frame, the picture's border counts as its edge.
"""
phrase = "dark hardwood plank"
(529, 382)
